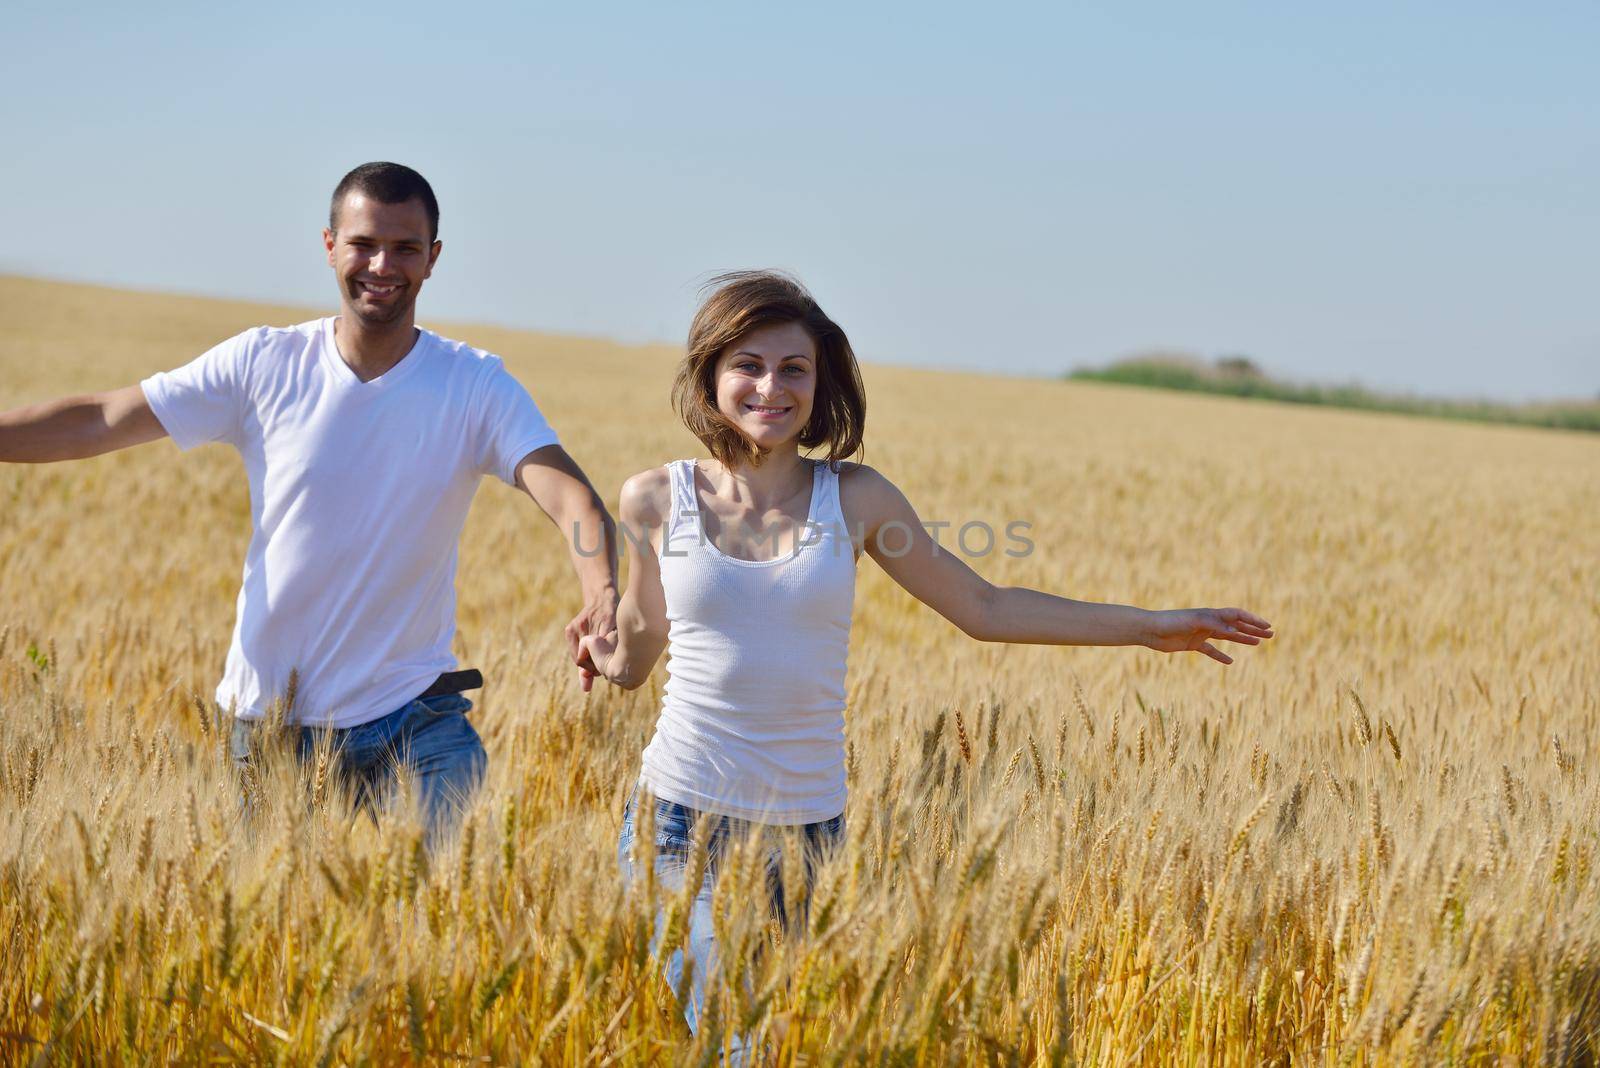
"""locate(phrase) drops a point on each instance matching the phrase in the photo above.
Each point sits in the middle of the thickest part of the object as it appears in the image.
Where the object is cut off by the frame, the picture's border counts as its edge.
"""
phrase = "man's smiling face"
(381, 254)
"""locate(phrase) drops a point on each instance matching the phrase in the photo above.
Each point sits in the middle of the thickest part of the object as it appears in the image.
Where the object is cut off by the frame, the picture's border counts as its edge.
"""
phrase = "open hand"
(1194, 629)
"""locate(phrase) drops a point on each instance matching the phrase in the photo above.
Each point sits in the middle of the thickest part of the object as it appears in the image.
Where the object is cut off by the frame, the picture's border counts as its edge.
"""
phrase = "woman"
(745, 570)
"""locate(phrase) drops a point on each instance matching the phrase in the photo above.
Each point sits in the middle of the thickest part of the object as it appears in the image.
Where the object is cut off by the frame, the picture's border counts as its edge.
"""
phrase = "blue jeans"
(674, 840)
(430, 737)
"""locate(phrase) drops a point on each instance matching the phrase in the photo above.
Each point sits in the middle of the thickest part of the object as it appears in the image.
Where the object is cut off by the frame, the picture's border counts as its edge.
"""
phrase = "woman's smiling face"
(766, 382)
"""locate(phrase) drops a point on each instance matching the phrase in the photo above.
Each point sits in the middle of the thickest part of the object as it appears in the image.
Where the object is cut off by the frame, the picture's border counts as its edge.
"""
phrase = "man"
(363, 439)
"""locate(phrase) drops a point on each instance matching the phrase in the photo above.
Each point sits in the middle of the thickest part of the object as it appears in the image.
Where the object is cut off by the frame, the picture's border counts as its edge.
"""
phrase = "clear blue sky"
(1408, 195)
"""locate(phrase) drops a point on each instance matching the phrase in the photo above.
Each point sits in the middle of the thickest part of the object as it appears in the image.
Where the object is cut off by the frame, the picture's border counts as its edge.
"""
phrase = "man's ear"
(328, 239)
(433, 257)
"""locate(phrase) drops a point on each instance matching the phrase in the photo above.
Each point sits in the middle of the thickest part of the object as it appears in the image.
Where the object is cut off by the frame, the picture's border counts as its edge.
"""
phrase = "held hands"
(598, 618)
(594, 656)
(1193, 630)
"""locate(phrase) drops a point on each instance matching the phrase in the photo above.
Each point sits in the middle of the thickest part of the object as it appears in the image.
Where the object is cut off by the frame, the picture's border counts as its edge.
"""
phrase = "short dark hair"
(743, 301)
(387, 183)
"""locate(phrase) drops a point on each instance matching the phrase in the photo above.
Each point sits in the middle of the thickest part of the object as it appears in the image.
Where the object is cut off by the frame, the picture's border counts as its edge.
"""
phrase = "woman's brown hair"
(742, 301)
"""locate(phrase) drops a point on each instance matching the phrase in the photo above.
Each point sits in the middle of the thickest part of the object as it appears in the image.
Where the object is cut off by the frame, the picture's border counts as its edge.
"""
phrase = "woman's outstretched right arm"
(641, 633)
(74, 428)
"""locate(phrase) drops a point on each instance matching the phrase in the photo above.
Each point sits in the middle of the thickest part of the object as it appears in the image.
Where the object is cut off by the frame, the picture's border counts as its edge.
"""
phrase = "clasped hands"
(597, 621)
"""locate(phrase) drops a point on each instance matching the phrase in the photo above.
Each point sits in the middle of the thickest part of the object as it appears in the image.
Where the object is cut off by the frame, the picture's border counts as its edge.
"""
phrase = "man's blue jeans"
(675, 827)
(430, 737)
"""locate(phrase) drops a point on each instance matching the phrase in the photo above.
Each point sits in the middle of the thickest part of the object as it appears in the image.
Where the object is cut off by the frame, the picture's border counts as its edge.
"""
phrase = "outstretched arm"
(563, 492)
(897, 540)
(74, 428)
(627, 658)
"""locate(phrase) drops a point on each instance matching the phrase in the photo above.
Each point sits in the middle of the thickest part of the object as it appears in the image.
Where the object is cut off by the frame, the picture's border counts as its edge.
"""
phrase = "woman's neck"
(763, 488)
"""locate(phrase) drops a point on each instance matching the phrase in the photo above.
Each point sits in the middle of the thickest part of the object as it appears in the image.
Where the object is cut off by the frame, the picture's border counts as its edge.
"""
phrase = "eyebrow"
(757, 355)
(358, 235)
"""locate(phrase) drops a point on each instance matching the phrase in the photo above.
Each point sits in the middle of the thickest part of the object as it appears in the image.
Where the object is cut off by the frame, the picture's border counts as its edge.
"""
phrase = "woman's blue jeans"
(675, 827)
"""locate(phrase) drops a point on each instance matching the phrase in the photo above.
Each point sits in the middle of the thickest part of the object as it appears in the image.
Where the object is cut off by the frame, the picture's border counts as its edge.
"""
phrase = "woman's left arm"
(897, 540)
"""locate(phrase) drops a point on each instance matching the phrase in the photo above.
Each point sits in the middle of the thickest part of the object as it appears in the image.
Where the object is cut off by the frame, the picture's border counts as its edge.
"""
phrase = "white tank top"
(752, 721)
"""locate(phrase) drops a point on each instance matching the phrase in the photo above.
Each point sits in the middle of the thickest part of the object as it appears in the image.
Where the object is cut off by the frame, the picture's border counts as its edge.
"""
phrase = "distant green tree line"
(1238, 376)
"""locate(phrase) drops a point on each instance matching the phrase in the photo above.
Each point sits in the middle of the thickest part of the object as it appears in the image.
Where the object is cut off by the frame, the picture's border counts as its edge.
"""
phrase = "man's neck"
(370, 351)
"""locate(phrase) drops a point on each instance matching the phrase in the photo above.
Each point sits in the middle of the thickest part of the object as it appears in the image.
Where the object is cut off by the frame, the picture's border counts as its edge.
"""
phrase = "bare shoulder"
(866, 495)
(859, 480)
(647, 497)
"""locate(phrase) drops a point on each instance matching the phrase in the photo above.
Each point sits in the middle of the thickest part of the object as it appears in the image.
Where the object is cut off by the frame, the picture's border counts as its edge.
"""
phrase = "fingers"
(585, 644)
(585, 657)
(586, 666)
(1249, 621)
(1237, 636)
(589, 653)
(1214, 653)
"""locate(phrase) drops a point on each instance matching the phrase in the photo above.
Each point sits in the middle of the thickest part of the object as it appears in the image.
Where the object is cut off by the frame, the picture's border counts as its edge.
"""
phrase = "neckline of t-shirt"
(344, 376)
(794, 551)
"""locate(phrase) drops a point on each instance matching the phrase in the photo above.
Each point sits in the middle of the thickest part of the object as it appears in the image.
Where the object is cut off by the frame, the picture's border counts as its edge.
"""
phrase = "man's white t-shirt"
(358, 493)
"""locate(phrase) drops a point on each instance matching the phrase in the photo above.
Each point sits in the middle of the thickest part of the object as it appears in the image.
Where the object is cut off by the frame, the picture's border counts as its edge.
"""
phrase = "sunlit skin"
(380, 254)
(766, 385)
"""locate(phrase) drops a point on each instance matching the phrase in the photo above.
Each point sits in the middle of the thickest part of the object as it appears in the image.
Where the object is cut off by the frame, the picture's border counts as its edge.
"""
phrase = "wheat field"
(1371, 841)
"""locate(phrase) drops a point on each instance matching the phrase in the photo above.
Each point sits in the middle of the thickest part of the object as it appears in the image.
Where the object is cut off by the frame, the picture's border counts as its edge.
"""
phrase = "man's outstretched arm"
(74, 428)
(559, 487)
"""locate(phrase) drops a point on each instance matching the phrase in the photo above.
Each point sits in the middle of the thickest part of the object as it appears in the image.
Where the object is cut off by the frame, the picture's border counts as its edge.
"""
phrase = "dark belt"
(453, 682)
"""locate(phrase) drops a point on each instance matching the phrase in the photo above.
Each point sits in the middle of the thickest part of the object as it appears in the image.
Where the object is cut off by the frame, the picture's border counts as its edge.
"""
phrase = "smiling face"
(381, 254)
(766, 383)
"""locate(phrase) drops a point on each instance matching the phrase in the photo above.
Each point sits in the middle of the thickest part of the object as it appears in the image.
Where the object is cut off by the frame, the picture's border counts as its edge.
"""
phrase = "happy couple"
(364, 438)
